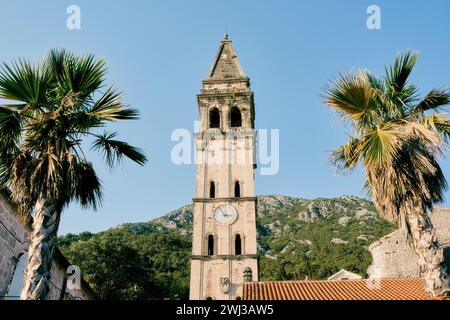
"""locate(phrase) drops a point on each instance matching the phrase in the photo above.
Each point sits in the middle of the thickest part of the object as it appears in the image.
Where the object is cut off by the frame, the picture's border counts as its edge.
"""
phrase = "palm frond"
(352, 96)
(88, 188)
(346, 157)
(18, 180)
(39, 133)
(379, 146)
(24, 83)
(435, 99)
(82, 122)
(114, 150)
(110, 107)
(440, 123)
(56, 61)
(418, 173)
(401, 94)
(10, 129)
(84, 75)
(397, 75)
(47, 177)
(427, 138)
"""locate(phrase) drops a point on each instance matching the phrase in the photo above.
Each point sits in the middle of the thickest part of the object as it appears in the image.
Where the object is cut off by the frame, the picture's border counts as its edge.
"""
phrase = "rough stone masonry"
(394, 258)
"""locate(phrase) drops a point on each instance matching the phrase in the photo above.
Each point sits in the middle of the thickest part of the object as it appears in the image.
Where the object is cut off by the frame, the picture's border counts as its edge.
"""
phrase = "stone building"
(14, 236)
(394, 258)
(224, 251)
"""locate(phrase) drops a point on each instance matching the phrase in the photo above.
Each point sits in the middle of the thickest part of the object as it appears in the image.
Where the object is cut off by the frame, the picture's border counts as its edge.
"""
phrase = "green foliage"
(119, 264)
(288, 256)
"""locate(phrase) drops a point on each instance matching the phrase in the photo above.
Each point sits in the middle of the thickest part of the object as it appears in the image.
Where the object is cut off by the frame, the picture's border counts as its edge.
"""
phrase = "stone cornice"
(226, 80)
(225, 257)
(224, 93)
(214, 200)
(230, 132)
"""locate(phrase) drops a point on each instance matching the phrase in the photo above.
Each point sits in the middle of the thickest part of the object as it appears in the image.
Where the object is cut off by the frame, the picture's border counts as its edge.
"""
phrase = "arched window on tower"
(235, 117)
(237, 245)
(214, 118)
(210, 245)
(237, 190)
(212, 190)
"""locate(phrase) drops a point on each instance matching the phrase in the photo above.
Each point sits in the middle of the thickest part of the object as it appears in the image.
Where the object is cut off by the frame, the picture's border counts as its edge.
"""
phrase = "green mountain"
(297, 238)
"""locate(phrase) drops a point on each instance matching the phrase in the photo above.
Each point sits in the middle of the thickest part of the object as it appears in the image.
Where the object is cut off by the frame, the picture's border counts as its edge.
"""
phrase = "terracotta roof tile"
(362, 289)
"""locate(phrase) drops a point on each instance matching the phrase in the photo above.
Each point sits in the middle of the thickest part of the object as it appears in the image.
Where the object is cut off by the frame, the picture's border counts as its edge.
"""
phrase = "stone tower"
(224, 252)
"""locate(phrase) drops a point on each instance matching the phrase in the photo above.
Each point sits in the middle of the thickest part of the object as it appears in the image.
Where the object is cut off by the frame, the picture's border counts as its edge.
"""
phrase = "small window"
(237, 245)
(214, 118)
(212, 190)
(208, 298)
(237, 189)
(210, 245)
(235, 117)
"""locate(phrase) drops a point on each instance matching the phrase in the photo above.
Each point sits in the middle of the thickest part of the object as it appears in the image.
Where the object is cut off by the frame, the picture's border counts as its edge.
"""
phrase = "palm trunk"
(40, 251)
(431, 257)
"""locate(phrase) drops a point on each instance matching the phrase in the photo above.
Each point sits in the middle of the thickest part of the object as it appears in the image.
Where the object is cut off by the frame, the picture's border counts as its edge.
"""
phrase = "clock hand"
(220, 211)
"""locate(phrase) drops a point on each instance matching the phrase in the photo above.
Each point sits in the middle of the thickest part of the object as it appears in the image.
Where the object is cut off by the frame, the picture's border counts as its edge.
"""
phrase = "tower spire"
(226, 64)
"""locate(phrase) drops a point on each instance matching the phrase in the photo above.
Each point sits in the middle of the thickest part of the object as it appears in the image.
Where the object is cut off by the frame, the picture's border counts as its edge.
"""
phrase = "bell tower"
(224, 251)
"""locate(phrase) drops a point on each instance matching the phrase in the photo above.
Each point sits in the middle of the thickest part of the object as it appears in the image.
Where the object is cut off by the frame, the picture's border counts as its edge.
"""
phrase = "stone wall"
(394, 258)
(14, 242)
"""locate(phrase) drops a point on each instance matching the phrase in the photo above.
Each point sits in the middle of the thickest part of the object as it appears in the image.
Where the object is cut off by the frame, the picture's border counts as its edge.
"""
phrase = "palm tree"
(398, 139)
(51, 110)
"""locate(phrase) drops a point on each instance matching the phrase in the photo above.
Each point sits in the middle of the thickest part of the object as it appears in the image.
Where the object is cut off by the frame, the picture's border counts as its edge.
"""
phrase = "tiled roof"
(364, 289)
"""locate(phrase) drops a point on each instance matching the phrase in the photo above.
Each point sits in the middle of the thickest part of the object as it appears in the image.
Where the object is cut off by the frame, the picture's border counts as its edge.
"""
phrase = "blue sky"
(159, 51)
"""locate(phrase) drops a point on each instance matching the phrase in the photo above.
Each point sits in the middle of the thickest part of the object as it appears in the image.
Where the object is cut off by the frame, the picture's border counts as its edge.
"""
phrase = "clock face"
(225, 215)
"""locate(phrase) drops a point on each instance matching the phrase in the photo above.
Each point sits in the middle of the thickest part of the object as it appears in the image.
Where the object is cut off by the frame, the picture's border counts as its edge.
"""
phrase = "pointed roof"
(226, 65)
